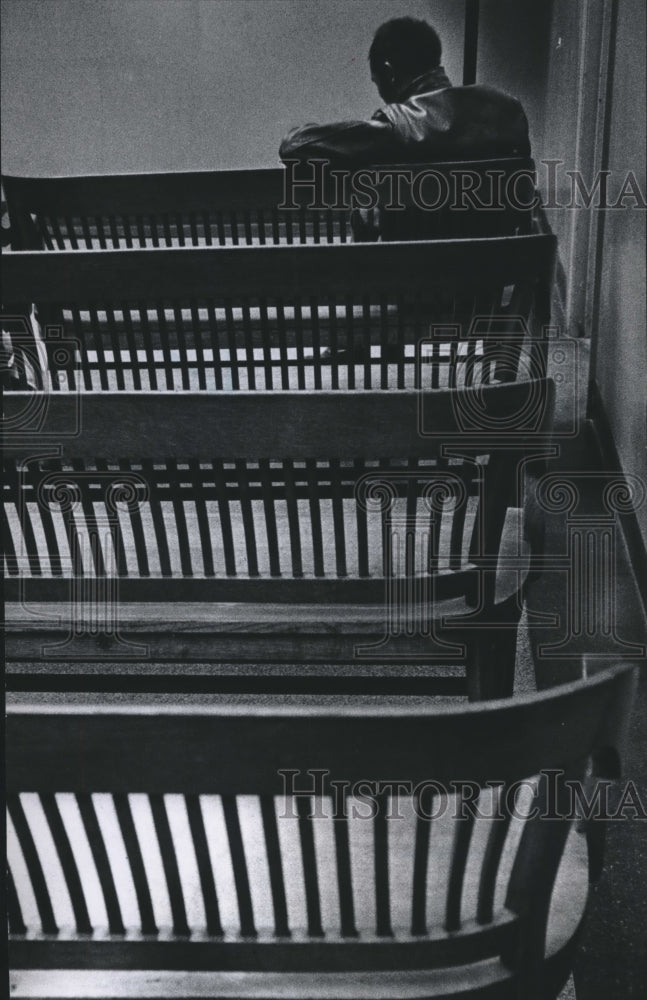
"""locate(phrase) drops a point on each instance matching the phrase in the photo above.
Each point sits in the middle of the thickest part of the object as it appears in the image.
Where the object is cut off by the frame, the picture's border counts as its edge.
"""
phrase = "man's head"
(402, 49)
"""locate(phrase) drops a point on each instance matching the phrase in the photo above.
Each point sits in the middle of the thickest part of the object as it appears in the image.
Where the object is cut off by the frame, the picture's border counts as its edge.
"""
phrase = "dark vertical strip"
(51, 539)
(401, 339)
(206, 222)
(231, 340)
(602, 219)
(381, 868)
(114, 524)
(58, 235)
(470, 46)
(384, 341)
(166, 228)
(333, 342)
(315, 517)
(215, 345)
(193, 229)
(247, 226)
(420, 867)
(316, 339)
(338, 517)
(275, 864)
(139, 536)
(276, 228)
(71, 234)
(311, 884)
(68, 862)
(34, 867)
(165, 344)
(197, 492)
(283, 346)
(98, 221)
(132, 346)
(114, 234)
(8, 545)
(100, 855)
(460, 852)
(293, 518)
(366, 334)
(234, 228)
(128, 231)
(239, 865)
(199, 837)
(180, 334)
(247, 512)
(196, 331)
(46, 232)
(411, 528)
(344, 870)
(81, 333)
(154, 230)
(350, 339)
(459, 511)
(418, 334)
(97, 339)
(315, 218)
(31, 545)
(158, 518)
(149, 350)
(141, 232)
(270, 517)
(497, 834)
(266, 347)
(298, 328)
(87, 234)
(179, 228)
(181, 527)
(17, 925)
(362, 525)
(220, 229)
(260, 226)
(116, 347)
(169, 862)
(92, 534)
(136, 862)
(225, 517)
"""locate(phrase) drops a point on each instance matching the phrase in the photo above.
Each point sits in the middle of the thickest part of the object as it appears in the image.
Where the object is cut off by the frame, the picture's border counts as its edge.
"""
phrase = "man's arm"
(356, 142)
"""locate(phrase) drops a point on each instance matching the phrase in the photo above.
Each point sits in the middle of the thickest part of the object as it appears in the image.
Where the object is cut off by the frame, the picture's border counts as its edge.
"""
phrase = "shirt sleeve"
(351, 141)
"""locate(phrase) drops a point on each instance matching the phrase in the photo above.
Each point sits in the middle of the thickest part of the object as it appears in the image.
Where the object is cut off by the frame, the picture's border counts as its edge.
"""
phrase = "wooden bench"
(288, 853)
(218, 208)
(405, 315)
(195, 532)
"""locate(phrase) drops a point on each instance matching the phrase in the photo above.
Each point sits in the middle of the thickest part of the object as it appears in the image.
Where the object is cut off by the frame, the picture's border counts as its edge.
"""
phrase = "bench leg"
(491, 663)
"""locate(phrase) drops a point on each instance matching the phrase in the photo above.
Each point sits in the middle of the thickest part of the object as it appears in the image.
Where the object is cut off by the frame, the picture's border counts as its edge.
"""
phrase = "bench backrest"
(128, 795)
(218, 208)
(431, 314)
(265, 496)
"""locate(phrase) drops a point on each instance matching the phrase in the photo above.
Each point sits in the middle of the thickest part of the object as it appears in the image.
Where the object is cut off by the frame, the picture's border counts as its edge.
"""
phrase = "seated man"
(425, 118)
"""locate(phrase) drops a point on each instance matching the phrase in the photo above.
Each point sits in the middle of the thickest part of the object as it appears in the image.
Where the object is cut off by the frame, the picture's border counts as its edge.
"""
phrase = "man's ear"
(388, 71)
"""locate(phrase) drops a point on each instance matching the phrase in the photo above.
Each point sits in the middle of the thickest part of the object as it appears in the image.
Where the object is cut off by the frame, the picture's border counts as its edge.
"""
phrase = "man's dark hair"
(410, 45)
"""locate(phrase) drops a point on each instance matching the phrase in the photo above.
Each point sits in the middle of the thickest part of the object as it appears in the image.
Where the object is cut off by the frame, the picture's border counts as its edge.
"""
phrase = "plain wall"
(513, 51)
(100, 86)
(621, 359)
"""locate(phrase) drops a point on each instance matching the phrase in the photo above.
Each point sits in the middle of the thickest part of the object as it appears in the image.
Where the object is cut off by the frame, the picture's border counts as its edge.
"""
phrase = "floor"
(612, 962)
